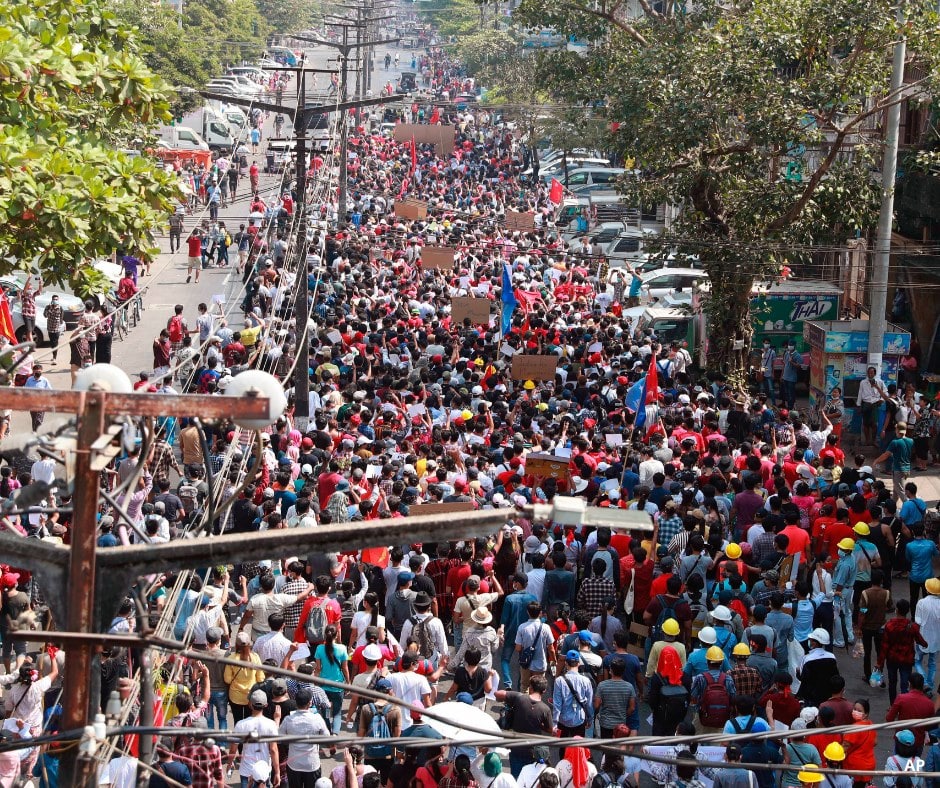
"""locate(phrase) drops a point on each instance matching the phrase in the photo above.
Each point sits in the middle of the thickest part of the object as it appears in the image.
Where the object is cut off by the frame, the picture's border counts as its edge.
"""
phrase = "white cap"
(372, 652)
(684, 399)
(720, 613)
(708, 635)
(821, 636)
(477, 391)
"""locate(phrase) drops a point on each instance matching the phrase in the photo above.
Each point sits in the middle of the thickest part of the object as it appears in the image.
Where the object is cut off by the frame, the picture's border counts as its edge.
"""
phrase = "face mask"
(857, 715)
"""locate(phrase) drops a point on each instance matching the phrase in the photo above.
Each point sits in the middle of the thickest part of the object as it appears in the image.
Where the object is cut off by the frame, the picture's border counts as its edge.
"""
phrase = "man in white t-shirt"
(408, 685)
(256, 752)
(120, 772)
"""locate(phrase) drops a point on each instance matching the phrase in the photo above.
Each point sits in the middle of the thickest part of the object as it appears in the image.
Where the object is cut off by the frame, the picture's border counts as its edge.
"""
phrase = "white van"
(594, 176)
(181, 138)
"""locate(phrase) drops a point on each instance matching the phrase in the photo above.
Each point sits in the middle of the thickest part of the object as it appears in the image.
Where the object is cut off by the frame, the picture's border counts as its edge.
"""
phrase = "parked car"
(658, 284)
(72, 307)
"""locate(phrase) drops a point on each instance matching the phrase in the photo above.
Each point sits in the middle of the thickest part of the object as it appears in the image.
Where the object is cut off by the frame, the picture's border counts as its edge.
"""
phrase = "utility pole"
(302, 118)
(94, 450)
(345, 48)
(301, 305)
(877, 319)
(343, 131)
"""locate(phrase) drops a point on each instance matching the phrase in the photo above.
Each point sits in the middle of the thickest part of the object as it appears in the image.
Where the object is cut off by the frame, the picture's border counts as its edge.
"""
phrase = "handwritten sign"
(442, 508)
(520, 221)
(442, 137)
(477, 309)
(534, 367)
(411, 209)
(546, 466)
(437, 257)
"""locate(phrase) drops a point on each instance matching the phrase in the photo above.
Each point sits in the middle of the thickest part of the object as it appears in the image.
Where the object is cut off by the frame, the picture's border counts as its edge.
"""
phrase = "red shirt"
(334, 615)
(357, 659)
(658, 586)
(194, 245)
(913, 705)
(455, 578)
(835, 533)
(898, 639)
(643, 580)
(799, 540)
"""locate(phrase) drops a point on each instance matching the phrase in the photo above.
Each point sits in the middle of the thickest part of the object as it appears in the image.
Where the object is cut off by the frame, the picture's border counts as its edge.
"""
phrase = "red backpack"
(714, 709)
(175, 329)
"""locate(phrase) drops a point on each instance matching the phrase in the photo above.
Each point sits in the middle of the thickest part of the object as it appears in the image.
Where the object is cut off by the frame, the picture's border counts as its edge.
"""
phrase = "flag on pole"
(508, 297)
(556, 191)
(414, 155)
(6, 320)
(435, 116)
(642, 393)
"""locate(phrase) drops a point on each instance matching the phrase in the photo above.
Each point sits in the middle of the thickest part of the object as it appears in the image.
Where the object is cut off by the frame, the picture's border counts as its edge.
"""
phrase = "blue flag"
(508, 297)
(636, 400)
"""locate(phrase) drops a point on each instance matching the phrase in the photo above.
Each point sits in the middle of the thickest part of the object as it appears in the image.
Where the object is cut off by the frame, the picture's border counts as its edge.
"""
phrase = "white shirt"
(647, 469)
(28, 701)
(928, 616)
(302, 756)
(43, 470)
(361, 620)
(120, 773)
(272, 646)
(409, 686)
(870, 391)
(253, 752)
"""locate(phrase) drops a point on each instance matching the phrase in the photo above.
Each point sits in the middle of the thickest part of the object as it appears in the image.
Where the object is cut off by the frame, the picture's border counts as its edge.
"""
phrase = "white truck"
(216, 134)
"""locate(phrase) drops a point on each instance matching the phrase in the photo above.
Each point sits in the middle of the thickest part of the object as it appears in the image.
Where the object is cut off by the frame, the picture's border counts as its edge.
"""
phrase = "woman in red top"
(860, 746)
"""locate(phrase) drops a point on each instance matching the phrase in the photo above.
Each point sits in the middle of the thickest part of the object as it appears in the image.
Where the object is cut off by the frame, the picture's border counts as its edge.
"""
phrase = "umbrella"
(458, 715)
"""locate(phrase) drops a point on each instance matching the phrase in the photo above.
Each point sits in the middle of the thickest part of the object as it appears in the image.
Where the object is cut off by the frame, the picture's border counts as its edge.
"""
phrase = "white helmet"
(708, 635)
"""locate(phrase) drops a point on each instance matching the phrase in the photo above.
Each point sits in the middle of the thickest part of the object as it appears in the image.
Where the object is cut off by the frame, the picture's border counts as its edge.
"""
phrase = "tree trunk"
(729, 330)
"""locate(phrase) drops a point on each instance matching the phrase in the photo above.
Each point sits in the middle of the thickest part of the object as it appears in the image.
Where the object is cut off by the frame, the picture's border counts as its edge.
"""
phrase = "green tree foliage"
(485, 51)
(452, 17)
(188, 52)
(73, 93)
(760, 119)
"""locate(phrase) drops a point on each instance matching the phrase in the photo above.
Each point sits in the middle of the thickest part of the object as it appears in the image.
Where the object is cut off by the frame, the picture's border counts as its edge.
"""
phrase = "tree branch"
(649, 10)
(630, 30)
(794, 210)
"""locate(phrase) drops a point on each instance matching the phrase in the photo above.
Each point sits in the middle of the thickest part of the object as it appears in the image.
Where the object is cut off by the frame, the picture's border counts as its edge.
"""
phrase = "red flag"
(555, 192)
(414, 155)
(6, 320)
(435, 116)
(652, 383)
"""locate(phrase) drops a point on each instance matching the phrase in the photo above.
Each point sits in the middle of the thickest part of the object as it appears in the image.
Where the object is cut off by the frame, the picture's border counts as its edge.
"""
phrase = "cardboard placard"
(437, 257)
(411, 209)
(442, 137)
(442, 508)
(520, 221)
(534, 367)
(546, 466)
(477, 309)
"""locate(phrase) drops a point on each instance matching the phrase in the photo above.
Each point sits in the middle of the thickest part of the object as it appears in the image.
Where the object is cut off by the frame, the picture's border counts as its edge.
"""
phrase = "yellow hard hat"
(714, 654)
(733, 551)
(529, 385)
(670, 627)
(466, 415)
(834, 752)
(543, 406)
(932, 586)
(809, 774)
(741, 650)
(479, 362)
(847, 544)
(861, 529)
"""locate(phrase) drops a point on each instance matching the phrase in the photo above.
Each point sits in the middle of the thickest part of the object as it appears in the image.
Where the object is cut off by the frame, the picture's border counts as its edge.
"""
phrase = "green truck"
(778, 312)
